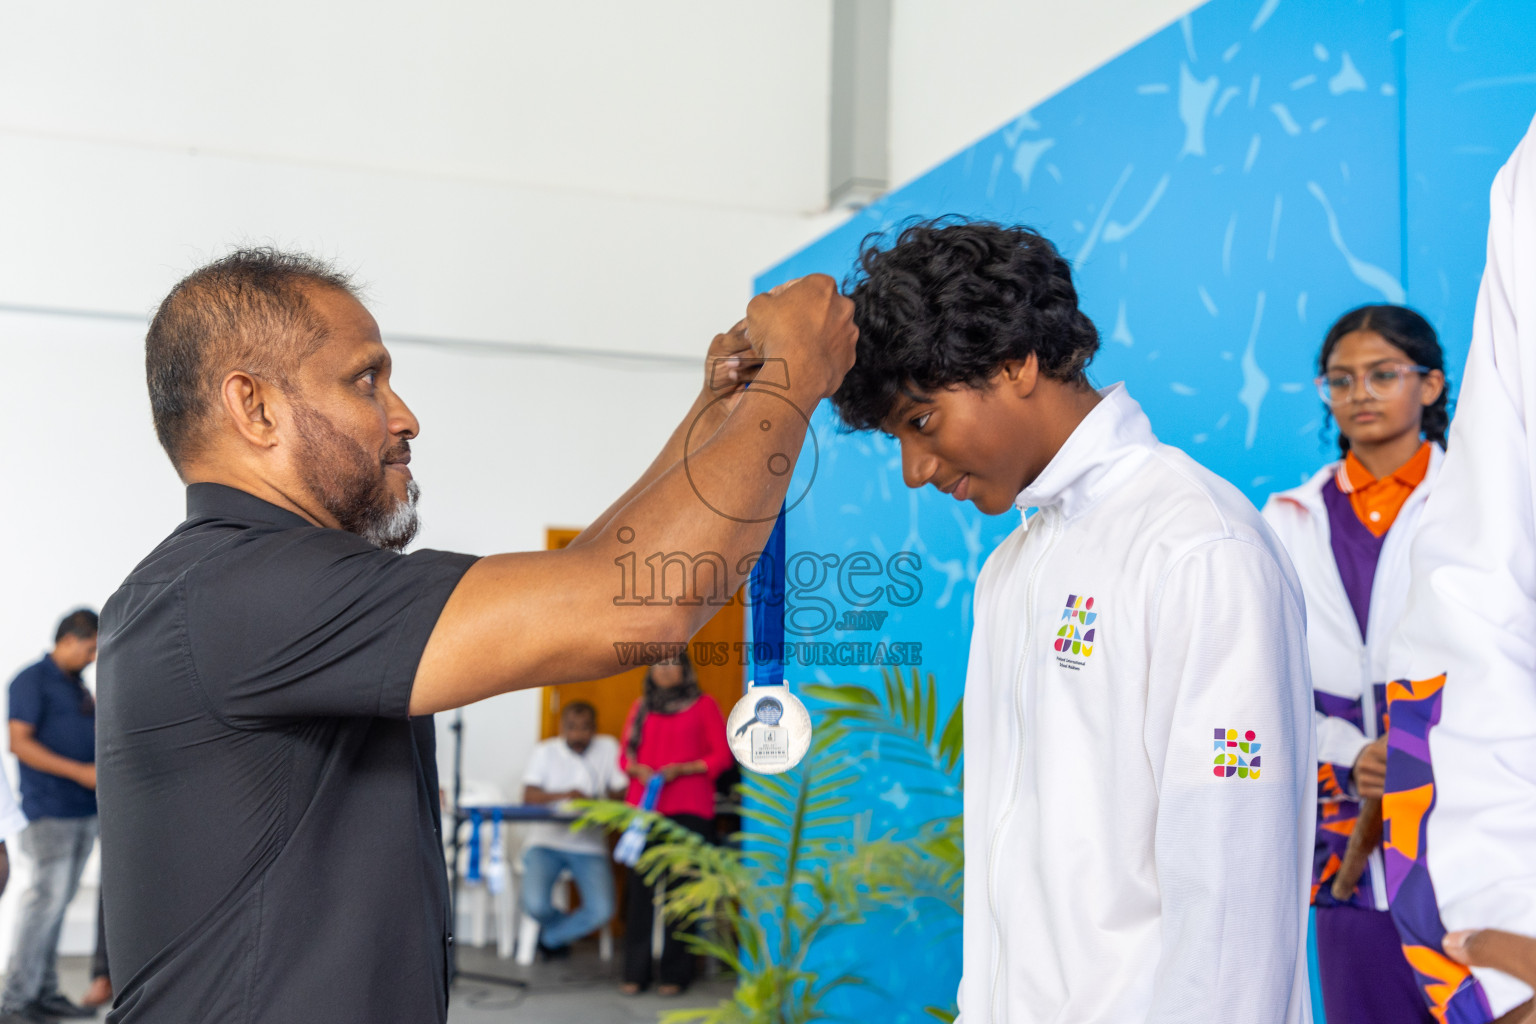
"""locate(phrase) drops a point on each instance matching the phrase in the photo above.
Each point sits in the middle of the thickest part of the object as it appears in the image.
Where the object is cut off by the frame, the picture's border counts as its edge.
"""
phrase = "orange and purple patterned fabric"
(1451, 992)
(1337, 811)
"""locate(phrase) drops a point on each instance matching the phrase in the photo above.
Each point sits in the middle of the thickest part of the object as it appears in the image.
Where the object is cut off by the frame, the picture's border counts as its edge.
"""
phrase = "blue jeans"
(58, 848)
(593, 875)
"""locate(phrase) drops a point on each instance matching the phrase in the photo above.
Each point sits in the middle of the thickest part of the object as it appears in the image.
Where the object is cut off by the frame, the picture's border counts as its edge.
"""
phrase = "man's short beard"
(352, 485)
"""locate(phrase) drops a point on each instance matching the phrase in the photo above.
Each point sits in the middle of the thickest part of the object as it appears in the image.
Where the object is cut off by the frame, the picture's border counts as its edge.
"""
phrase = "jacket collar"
(1351, 467)
(1106, 447)
(1310, 494)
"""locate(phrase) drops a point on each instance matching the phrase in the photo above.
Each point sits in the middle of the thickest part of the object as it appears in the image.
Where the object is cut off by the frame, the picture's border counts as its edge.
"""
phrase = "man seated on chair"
(578, 764)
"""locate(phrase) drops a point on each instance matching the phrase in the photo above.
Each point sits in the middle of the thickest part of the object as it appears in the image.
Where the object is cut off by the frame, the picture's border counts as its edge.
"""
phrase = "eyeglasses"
(1383, 381)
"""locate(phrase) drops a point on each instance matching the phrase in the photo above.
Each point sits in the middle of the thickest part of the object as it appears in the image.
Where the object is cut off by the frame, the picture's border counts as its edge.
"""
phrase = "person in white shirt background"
(579, 764)
(1131, 855)
(1348, 531)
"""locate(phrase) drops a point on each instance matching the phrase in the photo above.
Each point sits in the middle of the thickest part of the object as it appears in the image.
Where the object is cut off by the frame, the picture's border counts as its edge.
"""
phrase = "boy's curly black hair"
(949, 303)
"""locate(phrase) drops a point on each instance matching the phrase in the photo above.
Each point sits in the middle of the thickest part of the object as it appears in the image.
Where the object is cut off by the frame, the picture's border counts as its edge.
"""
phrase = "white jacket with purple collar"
(1349, 674)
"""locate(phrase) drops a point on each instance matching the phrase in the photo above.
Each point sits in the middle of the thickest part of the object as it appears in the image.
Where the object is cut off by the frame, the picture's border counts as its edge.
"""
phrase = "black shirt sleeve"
(313, 622)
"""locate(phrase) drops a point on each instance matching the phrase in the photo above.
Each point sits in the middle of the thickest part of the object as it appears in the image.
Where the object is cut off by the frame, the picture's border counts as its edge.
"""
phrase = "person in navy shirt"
(53, 735)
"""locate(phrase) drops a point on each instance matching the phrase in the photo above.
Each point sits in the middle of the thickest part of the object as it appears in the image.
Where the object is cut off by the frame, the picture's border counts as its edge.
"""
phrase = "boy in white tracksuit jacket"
(1139, 756)
(1461, 762)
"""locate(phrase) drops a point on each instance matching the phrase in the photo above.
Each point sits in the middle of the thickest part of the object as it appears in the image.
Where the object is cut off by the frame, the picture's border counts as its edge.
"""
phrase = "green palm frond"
(903, 709)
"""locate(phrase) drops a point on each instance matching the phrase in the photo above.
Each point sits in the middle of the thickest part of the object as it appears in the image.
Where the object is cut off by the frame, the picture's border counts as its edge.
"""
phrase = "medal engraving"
(769, 745)
(769, 730)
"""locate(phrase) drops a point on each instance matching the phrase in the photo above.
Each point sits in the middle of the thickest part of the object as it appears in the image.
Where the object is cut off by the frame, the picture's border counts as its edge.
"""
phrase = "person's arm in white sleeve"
(1230, 655)
(536, 779)
(1338, 741)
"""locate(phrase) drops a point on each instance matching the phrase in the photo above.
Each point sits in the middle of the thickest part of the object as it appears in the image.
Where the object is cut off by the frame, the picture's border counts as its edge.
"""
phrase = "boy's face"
(975, 444)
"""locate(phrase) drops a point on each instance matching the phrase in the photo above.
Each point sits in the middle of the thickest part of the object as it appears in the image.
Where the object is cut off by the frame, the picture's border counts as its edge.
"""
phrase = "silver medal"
(769, 730)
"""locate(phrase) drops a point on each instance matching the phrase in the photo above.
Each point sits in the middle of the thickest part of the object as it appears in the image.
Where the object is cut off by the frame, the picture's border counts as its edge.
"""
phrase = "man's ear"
(245, 399)
(1020, 376)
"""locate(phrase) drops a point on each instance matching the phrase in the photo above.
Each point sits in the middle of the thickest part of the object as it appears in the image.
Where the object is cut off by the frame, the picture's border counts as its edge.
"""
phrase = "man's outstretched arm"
(541, 618)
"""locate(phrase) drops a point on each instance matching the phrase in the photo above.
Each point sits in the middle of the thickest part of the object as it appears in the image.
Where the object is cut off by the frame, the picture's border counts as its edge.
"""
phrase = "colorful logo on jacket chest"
(1236, 756)
(1076, 633)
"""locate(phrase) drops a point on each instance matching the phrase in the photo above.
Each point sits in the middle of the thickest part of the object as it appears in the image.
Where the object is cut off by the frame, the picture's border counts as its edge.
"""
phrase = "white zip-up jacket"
(1139, 757)
(1343, 665)
(1471, 616)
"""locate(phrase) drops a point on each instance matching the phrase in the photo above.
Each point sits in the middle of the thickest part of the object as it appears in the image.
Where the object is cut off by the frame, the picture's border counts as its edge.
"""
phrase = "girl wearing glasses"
(1348, 530)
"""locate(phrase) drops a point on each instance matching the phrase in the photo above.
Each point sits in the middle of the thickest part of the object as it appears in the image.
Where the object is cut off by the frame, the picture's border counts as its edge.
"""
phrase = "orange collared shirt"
(1377, 502)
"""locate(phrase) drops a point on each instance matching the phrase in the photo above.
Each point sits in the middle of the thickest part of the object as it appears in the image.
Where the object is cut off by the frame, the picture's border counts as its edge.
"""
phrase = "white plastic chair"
(483, 904)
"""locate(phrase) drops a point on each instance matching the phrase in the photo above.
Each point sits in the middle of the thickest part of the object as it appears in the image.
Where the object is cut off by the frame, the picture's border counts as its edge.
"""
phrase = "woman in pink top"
(677, 732)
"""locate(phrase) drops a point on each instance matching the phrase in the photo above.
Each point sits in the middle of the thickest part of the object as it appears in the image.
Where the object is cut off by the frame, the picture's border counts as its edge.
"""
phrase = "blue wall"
(1471, 93)
(1225, 190)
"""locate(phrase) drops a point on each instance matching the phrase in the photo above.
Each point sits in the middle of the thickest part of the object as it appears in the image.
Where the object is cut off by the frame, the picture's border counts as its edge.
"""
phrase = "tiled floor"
(74, 978)
(579, 990)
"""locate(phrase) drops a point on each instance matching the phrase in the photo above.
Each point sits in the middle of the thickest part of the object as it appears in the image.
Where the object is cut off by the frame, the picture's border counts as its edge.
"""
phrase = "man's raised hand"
(810, 326)
(731, 364)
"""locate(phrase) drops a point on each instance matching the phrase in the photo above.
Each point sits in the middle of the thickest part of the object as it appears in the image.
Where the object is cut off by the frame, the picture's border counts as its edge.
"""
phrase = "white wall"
(591, 174)
(962, 70)
(584, 175)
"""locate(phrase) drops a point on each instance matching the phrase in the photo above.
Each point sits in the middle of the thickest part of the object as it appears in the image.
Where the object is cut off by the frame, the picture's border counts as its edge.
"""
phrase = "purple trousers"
(1363, 974)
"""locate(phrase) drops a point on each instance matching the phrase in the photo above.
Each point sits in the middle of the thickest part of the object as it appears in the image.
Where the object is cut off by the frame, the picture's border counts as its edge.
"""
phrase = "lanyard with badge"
(769, 729)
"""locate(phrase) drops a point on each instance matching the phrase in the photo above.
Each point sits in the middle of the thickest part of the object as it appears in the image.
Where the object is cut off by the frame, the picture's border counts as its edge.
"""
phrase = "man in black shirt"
(270, 830)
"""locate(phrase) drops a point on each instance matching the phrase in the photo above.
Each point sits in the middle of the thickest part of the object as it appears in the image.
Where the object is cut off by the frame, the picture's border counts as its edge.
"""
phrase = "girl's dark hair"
(950, 301)
(1401, 328)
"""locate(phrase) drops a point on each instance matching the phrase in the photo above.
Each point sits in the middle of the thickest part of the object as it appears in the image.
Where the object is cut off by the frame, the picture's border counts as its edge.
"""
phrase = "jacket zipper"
(1007, 816)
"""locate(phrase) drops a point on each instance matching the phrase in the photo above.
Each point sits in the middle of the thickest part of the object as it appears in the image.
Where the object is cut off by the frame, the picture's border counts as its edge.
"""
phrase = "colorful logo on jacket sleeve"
(1075, 635)
(1236, 755)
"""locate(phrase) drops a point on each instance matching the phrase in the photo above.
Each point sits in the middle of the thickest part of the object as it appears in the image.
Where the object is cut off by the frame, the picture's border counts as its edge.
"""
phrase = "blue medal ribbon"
(768, 609)
(769, 729)
(472, 876)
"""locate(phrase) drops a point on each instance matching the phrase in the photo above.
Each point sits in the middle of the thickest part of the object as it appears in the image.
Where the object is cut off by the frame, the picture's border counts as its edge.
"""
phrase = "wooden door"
(613, 696)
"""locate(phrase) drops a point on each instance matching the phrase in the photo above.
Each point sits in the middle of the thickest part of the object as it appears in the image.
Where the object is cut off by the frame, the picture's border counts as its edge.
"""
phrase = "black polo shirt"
(269, 811)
